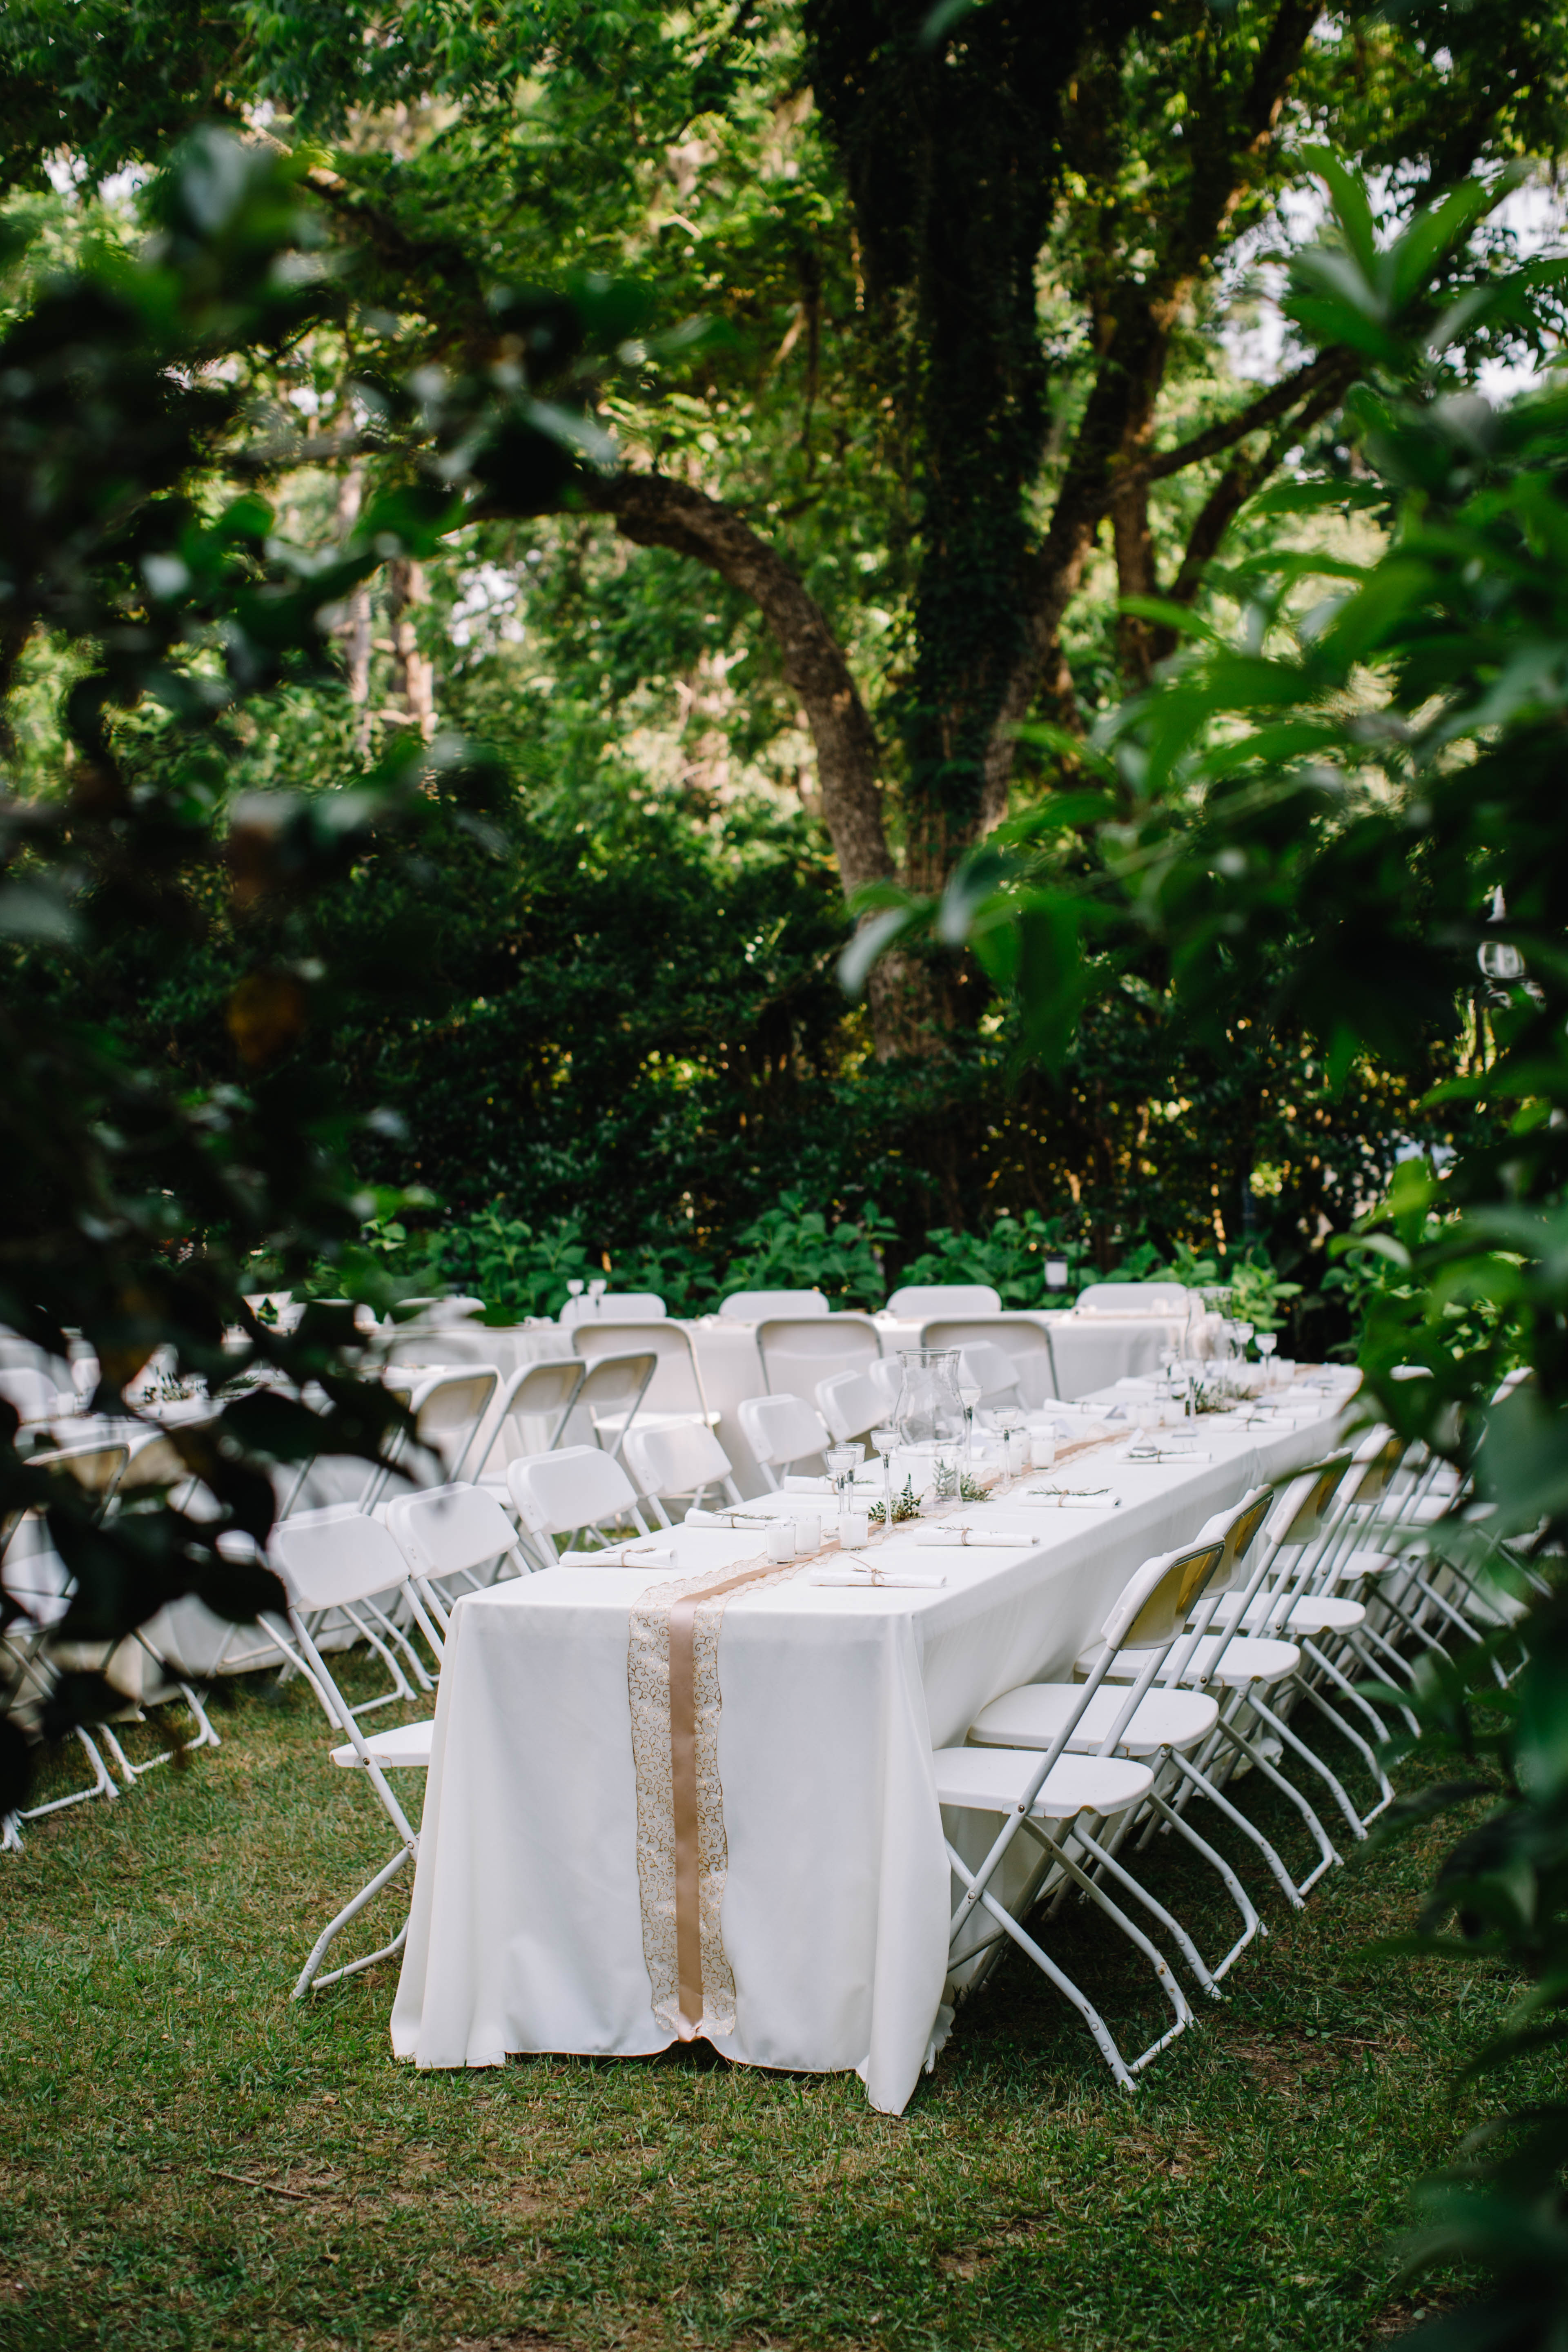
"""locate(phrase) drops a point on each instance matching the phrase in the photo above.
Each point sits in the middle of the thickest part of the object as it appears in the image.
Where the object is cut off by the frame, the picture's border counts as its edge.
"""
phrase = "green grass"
(192, 2160)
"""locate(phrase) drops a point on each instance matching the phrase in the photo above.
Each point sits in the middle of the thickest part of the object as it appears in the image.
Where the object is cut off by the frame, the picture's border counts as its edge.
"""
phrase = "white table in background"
(526, 1928)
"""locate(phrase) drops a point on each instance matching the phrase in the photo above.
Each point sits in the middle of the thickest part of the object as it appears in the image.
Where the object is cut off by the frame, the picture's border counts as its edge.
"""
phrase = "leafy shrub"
(1012, 1257)
(792, 1247)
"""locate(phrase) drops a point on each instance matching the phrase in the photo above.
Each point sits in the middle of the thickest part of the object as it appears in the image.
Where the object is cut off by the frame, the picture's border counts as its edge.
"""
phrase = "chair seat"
(993, 1781)
(1314, 1613)
(1247, 1659)
(1362, 1564)
(1032, 1715)
(410, 1745)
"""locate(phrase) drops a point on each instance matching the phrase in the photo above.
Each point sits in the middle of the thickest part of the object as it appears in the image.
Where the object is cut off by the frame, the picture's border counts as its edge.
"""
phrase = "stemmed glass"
(1266, 1343)
(842, 1462)
(968, 1397)
(884, 1440)
(1007, 1419)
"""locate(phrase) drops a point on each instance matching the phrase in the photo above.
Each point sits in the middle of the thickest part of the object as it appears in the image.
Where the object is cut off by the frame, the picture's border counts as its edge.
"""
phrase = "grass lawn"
(192, 2160)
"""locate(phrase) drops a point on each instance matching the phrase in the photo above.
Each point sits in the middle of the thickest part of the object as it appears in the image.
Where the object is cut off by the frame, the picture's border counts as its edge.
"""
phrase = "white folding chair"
(1027, 1343)
(529, 1415)
(612, 1306)
(1062, 1798)
(575, 1490)
(611, 1394)
(992, 1372)
(917, 1300)
(782, 1431)
(851, 1404)
(442, 1351)
(1238, 1669)
(757, 1305)
(1150, 1724)
(675, 1391)
(798, 1351)
(453, 1534)
(684, 1458)
(340, 1559)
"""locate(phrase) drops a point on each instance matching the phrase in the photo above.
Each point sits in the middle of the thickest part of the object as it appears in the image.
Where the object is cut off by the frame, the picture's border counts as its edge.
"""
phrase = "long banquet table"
(651, 1814)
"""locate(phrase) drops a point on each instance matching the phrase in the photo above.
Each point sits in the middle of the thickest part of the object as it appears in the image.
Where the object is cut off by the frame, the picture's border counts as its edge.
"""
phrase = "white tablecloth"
(526, 1932)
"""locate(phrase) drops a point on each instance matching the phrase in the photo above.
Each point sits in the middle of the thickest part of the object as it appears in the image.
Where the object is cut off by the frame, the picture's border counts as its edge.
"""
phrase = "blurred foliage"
(1340, 818)
(134, 1196)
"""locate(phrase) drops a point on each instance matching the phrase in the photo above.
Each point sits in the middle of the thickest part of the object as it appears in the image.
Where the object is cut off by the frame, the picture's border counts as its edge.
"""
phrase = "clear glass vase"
(929, 1416)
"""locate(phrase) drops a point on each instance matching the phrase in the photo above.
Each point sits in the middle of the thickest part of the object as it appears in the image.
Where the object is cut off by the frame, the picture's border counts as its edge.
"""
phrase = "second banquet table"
(698, 1798)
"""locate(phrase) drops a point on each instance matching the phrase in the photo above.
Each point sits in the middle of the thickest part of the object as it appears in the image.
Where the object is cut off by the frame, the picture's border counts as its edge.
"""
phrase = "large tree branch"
(1336, 365)
(653, 510)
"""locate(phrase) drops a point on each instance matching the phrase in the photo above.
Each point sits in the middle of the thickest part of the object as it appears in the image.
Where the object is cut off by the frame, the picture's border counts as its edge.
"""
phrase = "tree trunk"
(652, 511)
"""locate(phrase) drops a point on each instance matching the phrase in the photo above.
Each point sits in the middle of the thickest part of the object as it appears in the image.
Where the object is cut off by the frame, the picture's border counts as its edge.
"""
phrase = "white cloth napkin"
(864, 1583)
(637, 1555)
(797, 1483)
(1169, 1454)
(698, 1518)
(1069, 1498)
(992, 1538)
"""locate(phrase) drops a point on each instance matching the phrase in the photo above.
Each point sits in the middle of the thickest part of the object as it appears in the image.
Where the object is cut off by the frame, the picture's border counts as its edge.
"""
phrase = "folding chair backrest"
(612, 1306)
(756, 1306)
(448, 1408)
(612, 1389)
(798, 1351)
(1153, 1605)
(332, 1558)
(1300, 1516)
(916, 1300)
(1237, 1531)
(678, 1459)
(529, 1411)
(781, 1429)
(1377, 1470)
(992, 1371)
(1157, 1298)
(887, 1377)
(577, 1486)
(432, 1350)
(851, 1403)
(450, 1530)
(1016, 1335)
(677, 1384)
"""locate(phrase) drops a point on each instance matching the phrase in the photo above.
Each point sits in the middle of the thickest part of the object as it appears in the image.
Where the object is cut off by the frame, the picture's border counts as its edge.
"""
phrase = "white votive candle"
(854, 1528)
(781, 1539)
(807, 1534)
(1043, 1448)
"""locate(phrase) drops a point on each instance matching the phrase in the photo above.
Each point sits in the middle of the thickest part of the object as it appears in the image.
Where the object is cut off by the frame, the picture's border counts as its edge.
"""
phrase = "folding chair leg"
(1381, 1780)
(367, 1894)
(1134, 1935)
(1310, 1758)
(11, 1834)
(1103, 2040)
(1251, 1924)
(1250, 1830)
(1272, 1774)
(102, 1785)
(1178, 1934)
(1358, 1644)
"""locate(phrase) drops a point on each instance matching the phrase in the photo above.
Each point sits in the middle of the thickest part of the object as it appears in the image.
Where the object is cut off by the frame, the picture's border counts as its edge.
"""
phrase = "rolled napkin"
(1168, 1453)
(632, 1555)
(1069, 1498)
(797, 1483)
(983, 1539)
(864, 1582)
(698, 1518)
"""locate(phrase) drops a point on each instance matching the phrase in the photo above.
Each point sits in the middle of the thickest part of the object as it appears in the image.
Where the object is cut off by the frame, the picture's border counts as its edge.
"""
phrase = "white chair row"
(1207, 1665)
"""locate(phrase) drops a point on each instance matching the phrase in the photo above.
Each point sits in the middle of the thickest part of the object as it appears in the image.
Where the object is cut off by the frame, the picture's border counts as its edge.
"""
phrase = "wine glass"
(842, 1463)
(968, 1397)
(884, 1440)
(1266, 1343)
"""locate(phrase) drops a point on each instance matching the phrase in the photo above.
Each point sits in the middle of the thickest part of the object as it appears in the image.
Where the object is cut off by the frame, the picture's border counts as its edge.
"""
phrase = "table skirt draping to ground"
(526, 1932)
